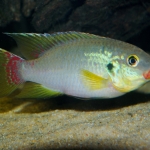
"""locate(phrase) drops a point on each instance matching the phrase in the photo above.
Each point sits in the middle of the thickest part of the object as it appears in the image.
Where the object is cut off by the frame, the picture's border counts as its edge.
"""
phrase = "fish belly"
(71, 84)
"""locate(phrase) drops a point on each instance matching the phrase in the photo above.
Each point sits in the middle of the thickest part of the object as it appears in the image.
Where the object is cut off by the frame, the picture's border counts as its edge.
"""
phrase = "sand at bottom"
(73, 125)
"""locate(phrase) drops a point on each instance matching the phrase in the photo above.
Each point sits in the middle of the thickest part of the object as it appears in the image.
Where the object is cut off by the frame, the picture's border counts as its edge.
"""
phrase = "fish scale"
(77, 64)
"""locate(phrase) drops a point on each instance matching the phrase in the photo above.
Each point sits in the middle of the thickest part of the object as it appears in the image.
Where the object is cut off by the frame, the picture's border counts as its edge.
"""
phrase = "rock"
(28, 7)
(9, 11)
(114, 19)
(53, 13)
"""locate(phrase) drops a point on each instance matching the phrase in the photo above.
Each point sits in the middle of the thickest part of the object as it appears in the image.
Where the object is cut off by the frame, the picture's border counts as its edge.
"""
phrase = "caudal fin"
(10, 78)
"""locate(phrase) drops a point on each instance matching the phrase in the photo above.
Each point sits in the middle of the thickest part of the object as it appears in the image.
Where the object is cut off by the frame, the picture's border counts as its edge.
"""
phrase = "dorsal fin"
(32, 45)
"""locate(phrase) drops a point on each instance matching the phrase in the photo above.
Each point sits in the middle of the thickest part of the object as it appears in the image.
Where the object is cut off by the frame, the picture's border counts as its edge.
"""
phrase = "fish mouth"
(146, 74)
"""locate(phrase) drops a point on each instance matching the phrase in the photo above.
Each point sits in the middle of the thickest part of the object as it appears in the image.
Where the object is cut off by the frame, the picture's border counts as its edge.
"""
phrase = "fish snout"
(146, 74)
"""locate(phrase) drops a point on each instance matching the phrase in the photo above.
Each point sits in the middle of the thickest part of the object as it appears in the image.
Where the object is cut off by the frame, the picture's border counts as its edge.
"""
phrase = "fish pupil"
(110, 66)
(132, 60)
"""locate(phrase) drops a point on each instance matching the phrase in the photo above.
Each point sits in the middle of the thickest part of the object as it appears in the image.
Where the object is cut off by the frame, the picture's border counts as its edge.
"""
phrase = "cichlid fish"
(72, 63)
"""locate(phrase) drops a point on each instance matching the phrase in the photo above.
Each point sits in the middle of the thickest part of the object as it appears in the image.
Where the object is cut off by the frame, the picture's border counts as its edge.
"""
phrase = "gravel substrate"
(69, 123)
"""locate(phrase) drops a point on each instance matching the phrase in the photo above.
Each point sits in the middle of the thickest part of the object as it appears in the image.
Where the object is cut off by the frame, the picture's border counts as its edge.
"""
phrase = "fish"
(77, 64)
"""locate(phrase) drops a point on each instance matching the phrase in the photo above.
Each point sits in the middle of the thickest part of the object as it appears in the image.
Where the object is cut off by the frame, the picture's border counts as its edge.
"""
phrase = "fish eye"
(132, 60)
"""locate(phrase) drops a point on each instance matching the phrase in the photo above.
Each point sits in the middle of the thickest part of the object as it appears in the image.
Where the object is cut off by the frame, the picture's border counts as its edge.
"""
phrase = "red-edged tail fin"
(10, 78)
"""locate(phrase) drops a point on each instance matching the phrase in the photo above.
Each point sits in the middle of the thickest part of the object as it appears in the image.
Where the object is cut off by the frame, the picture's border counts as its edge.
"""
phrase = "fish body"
(72, 63)
(60, 69)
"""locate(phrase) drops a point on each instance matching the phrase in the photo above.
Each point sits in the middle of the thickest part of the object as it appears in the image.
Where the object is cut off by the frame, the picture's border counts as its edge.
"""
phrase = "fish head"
(129, 70)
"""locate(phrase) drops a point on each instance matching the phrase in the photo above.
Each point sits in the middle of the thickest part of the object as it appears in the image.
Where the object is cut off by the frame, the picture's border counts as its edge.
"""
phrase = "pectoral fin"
(34, 90)
(93, 81)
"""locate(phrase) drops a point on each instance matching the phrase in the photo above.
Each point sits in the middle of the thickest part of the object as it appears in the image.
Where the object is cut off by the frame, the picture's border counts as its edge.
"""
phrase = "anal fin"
(34, 90)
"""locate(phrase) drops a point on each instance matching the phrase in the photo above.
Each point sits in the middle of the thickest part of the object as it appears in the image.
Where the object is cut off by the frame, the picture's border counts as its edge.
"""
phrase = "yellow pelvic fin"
(123, 90)
(34, 90)
(93, 81)
(126, 87)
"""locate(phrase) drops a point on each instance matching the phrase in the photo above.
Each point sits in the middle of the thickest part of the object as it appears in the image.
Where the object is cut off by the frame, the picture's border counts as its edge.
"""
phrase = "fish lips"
(146, 74)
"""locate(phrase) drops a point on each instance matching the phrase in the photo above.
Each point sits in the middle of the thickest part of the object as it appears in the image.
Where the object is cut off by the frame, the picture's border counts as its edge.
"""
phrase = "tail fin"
(10, 78)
